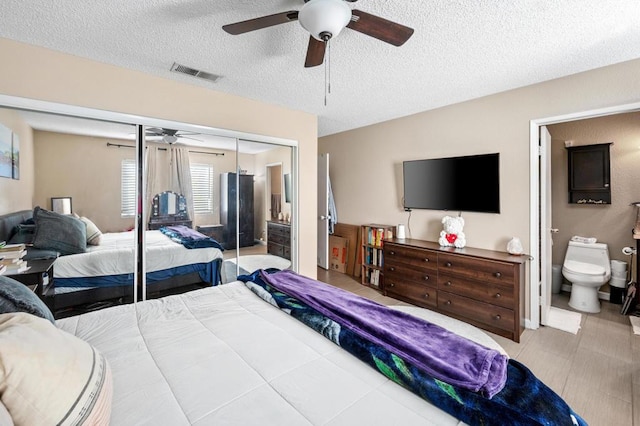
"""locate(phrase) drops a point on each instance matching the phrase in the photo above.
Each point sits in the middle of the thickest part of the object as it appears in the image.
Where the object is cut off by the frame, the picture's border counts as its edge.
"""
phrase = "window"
(128, 188)
(202, 188)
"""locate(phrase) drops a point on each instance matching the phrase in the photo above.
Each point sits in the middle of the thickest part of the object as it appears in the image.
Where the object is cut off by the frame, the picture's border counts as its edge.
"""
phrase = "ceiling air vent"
(194, 72)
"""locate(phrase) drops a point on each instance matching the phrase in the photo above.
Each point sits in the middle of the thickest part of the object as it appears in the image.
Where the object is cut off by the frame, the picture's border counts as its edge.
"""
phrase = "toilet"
(587, 267)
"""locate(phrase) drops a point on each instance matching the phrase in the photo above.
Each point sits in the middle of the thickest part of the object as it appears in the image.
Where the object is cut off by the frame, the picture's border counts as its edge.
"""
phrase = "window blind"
(202, 188)
(128, 188)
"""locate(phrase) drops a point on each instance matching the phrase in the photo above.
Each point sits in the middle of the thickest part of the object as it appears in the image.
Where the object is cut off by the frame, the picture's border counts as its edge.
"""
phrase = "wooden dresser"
(480, 287)
(279, 239)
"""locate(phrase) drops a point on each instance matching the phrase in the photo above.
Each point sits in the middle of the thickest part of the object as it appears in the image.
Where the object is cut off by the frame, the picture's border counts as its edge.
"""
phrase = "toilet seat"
(584, 268)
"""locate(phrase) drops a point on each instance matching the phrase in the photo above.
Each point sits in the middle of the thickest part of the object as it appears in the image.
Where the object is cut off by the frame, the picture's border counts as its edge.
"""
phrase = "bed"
(223, 355)
(104, 272)
(247, 352)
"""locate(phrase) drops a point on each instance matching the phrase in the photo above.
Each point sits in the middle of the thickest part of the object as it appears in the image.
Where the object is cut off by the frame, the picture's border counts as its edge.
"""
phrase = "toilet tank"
(595, 254)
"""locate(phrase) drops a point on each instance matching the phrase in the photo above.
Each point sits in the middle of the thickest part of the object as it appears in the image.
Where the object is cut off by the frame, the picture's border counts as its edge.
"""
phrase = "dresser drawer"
(415, 293)
(484, 292)
(495, 316)
(275, 249)
(425, 276)
(425, 259)
(480, 269)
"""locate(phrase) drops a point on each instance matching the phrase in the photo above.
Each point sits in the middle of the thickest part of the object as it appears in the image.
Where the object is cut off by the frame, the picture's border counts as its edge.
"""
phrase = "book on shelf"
(16, 269)
(10, 260)
(3, 243)
(12, 248)
(13, 254)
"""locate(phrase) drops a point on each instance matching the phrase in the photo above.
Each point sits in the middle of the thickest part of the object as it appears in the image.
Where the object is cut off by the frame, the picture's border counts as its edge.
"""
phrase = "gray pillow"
(17, 297)
(59, 232)
(23, 234)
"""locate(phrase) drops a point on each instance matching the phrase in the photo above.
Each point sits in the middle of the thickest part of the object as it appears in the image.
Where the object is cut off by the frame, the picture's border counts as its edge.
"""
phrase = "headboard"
(9, 221)
(169, 204)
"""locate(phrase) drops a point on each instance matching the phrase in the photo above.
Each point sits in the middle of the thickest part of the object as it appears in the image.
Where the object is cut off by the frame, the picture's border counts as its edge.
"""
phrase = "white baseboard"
(601, 294)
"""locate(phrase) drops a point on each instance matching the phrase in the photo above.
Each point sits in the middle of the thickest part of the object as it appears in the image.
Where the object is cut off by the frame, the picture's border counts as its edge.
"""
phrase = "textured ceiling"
(460, 49)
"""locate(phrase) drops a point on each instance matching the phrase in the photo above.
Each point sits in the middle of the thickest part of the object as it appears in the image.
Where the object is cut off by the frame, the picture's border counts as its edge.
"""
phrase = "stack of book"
(11, 259)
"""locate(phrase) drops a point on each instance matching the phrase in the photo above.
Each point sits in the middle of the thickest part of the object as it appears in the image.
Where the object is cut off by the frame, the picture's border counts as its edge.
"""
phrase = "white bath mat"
(635, 323)
(564, 320)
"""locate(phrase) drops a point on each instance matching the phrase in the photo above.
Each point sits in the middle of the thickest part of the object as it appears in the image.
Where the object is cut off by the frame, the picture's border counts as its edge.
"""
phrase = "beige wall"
(278, 155)
(87, 170)
(612, 223)
(366, 164)
(43, 74)
(17, 194)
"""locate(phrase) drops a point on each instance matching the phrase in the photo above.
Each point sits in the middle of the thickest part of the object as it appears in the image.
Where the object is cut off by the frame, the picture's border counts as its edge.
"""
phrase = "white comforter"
(222, 356)
(115, 255)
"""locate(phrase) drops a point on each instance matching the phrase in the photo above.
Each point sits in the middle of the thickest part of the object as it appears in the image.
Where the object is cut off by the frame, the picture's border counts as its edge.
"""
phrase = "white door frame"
(534, 197)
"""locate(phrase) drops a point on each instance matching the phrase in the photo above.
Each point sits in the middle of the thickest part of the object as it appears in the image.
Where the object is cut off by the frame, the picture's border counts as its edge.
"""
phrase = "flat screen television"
(470, 183)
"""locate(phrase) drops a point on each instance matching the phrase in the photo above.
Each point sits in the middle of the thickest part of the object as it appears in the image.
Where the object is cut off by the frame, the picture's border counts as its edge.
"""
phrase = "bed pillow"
(17, 297)
(51, 377)
(59, 232)
(94, 236)
(23, 234)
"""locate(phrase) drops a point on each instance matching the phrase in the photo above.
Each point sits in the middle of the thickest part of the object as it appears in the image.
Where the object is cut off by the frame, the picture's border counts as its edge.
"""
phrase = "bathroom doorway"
(541, 230)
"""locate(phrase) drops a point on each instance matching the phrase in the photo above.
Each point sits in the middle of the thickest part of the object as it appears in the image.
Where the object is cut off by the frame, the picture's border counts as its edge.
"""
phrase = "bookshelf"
(373, 236)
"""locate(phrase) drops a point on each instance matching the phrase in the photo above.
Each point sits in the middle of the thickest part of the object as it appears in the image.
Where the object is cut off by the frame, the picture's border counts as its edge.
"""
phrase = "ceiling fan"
(169, 136)
(324, 19)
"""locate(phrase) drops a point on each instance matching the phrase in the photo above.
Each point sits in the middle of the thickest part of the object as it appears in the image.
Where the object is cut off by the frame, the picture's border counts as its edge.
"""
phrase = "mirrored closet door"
(194, 184)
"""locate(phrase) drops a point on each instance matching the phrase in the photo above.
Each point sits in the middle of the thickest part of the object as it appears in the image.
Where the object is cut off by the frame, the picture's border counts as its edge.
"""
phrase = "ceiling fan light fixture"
(324, 19)
(170, 138)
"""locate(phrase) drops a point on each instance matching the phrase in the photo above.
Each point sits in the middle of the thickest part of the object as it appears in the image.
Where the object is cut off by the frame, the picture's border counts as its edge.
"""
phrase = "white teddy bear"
(452, 235)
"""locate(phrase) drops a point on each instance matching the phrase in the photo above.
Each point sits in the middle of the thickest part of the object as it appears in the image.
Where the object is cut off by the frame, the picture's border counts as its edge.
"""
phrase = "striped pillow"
(94, 236)
(48, 376)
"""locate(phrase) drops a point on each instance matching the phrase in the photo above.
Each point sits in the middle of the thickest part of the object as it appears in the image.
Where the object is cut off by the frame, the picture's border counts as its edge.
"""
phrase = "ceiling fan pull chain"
(329, 65)
(327, 72)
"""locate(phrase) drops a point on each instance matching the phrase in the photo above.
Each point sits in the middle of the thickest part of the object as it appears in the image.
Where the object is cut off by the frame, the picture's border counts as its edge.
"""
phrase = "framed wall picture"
(15, 156)
(6, 165)
(61, 205)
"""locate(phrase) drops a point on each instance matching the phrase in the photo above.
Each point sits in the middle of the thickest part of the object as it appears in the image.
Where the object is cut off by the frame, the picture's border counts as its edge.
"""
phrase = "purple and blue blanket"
(475, 384)
(189, 238)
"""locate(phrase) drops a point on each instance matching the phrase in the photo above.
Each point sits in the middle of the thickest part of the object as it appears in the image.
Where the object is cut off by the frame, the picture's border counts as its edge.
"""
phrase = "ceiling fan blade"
(262, 22)
(315, 53)
(379, 28)
(181, 136)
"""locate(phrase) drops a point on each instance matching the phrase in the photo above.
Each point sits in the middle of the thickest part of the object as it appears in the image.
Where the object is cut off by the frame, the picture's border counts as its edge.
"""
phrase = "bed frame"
(75, 302)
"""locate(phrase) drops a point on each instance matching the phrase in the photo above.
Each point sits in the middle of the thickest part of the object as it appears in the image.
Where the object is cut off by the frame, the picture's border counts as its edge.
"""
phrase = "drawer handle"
(392, 268)
(426, 259)
(391, 285)
(498, 295)
(497, 317)
(426, 296)
(426, 277)
(448, 302)
(392, 252)
(448, 264)
(497, 275)
(448, 283)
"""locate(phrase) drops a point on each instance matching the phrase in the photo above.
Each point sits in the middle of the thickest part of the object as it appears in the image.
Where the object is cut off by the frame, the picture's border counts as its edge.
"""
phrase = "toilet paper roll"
(401, 234)
(618, 282)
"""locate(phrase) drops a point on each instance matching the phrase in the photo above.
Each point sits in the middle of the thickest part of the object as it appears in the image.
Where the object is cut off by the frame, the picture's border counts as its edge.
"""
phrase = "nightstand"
(39, 277)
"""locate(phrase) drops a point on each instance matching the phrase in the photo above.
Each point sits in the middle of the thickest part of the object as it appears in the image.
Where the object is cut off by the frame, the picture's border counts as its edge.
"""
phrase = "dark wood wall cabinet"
(480, 287)
(589, 174)
(279, 239)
